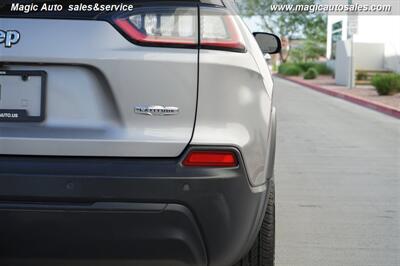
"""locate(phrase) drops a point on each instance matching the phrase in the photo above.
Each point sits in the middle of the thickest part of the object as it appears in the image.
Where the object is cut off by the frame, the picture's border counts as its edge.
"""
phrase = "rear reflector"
(211, 159)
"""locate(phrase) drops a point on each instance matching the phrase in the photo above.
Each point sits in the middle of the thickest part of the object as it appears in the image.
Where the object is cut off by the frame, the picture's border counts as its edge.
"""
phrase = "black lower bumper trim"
(226, 210)
(134, 233)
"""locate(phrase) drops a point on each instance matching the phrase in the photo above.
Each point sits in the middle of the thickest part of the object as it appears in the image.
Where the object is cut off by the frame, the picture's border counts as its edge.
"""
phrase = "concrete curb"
(389, 110)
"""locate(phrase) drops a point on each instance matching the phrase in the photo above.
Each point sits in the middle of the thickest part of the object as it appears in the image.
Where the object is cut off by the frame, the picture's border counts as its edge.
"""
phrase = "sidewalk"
(362, 95)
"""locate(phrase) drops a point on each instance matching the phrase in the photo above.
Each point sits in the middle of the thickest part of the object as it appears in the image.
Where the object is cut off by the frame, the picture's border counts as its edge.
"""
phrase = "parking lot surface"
(337, 181)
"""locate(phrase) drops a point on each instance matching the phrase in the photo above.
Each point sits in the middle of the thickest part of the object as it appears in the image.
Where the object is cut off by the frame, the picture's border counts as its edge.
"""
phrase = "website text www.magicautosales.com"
(123, 7)
(332, 8)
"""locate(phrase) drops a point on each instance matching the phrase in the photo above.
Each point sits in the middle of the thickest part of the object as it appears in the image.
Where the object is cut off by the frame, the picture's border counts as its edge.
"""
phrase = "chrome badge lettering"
(159, 110)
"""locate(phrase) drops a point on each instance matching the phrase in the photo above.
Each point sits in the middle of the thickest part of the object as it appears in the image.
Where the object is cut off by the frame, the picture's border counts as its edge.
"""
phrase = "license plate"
(22, 96)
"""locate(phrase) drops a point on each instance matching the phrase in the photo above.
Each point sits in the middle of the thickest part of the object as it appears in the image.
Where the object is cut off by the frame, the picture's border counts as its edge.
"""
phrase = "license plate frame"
(19, 114)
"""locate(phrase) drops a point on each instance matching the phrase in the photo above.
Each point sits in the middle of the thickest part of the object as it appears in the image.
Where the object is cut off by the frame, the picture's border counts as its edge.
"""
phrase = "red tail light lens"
(161, 26)
(218, 30)
(211, 159)
(179, 27)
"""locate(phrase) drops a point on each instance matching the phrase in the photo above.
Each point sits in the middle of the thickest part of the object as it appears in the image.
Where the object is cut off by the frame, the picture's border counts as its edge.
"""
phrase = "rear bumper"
(126, 211)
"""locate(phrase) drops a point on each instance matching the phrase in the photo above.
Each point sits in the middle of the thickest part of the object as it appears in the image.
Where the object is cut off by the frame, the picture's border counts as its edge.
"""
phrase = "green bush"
(311, 73)
(282, 68)
(289, 69)
(322, 68)
(292, 71)
(295, 69)
(305, 65)
(386, 84)
(362, 75)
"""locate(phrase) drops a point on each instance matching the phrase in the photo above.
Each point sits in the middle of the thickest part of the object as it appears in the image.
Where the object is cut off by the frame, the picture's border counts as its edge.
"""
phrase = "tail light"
(161, 26)
(210, 159)
(181, 27)
(218, 30)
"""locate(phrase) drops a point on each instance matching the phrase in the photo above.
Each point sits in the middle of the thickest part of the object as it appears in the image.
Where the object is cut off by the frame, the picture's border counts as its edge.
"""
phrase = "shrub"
(386, 84)
(282, 68)
(289, 69)
(293, 71)
(305, 65)
(362, 75)
(311, 73)
(322, 69)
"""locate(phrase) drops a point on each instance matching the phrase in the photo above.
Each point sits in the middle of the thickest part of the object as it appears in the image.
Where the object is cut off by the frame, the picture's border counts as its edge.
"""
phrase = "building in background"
(367, 44)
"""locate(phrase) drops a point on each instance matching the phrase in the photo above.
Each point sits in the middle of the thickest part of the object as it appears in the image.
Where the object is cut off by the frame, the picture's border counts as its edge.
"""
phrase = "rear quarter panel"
(234, 108)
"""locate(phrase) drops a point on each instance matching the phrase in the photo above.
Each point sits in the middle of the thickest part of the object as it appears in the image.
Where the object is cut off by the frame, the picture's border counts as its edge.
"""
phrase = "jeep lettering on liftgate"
(9, 37)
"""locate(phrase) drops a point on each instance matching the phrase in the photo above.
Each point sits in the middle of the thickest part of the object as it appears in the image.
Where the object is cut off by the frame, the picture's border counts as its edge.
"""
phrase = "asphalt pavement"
(337, 181)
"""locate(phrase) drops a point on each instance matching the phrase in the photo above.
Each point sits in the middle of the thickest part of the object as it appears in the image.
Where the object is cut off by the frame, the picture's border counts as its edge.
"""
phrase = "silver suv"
(136, 137)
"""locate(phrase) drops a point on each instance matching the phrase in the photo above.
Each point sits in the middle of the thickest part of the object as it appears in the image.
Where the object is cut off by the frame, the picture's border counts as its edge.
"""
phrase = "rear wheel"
(263, 251)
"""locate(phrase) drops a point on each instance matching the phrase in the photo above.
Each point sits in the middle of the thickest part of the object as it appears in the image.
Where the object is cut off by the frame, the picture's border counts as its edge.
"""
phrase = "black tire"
(263, 251)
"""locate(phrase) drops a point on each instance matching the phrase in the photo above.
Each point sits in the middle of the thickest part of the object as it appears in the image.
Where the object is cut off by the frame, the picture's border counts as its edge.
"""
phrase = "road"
(337, 181)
